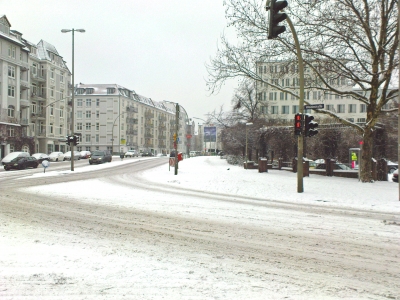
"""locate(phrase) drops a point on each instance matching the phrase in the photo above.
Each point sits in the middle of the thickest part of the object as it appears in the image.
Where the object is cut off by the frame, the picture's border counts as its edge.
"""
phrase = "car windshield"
(98, 153)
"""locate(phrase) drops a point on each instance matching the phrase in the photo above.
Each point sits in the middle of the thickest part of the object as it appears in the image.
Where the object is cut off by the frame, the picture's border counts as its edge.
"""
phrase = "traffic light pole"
(300, 138)
(176, 134)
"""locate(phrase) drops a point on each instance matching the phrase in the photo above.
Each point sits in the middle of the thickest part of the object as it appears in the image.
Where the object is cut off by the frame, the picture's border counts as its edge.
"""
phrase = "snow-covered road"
(206, 233)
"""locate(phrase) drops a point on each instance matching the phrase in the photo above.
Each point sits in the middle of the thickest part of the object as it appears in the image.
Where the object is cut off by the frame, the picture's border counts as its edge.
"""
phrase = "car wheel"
(56, 159)
(90, 163)
(7, 169)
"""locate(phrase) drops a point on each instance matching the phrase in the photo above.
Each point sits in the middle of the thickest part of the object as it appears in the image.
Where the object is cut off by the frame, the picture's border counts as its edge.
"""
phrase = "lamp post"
(112, 134)
(205, 142)
(247, 124)
(73, 92)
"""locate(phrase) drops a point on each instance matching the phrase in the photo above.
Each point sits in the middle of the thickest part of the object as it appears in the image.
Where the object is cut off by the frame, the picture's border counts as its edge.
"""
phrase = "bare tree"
(350, 40)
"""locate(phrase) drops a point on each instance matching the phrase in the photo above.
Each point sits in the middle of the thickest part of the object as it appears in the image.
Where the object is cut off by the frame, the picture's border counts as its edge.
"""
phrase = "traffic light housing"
(67, 140)
(298, 124)
(174, 137)
(310, 126)
(275, 17)
(70, 140)
(76, 139)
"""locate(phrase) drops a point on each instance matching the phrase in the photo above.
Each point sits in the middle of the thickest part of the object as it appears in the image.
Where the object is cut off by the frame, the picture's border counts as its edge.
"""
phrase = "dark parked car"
(338, 166)
(21, 163)
(147, 153)
(100, 156)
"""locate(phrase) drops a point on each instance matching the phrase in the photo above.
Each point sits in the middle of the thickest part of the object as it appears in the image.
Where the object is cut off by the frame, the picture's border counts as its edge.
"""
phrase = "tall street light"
(73, 92)
(247, 124)
(112, 134)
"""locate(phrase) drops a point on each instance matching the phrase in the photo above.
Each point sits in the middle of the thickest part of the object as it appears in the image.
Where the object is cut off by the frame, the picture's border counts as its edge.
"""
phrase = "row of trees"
(352, 39)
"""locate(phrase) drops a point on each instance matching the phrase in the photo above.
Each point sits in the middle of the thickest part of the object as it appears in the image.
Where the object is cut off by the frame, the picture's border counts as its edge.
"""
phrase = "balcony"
(41, 133)
(24, 66)
(149, 125)
(131, 121)
(38, 116)
(132, 109)
(38, 96)
(149, 115)
(24, 103)
(24, 122)
(131, 132)
(162, 127)
(37, 77)
(24, 84)
(162, 118)
(148, 135)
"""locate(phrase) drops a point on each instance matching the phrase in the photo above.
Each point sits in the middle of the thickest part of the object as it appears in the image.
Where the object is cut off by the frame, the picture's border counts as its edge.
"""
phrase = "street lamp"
(247, 124)
(208, 133)
(73, 92)
(112, 134)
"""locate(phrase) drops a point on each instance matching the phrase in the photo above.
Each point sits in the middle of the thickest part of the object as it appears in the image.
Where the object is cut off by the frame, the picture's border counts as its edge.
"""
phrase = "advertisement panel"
(210, 134)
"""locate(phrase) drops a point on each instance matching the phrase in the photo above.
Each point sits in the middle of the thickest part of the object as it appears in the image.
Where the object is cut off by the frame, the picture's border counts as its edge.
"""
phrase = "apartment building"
(282, 105)
(34, 82)
(112, 117)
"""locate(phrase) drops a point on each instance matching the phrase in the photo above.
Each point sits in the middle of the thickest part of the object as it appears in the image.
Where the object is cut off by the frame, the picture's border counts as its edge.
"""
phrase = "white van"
(193, 153)
(13, 155)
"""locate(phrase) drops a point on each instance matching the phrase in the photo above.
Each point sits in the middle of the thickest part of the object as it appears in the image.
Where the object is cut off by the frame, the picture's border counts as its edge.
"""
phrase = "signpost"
(45, 165)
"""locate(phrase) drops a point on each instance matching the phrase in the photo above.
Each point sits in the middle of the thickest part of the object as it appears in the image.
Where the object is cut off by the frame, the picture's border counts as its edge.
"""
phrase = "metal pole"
(73, 103)
(246, 146)
(176, 142)
(300, 138)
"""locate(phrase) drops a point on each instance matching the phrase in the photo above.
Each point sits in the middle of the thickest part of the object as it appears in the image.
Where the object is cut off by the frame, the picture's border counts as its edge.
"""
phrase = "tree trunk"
(366, 156)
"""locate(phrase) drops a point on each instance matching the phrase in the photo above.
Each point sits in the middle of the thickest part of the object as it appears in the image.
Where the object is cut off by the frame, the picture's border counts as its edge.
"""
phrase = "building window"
(61, 112)
(11, 51)
(97, 126)
(87, 138)
(34, 107)
(11, 111)
(88, 102)
(352, 108)
(89, 91)
(285, 109)
(110, 90)
(340, 108)
(52, 92)
(79, 102)
(97, 114)
(97, 102)
(79, 126)
(51, 127)
(330, 107)
(295, 109)
(61, 130)
(11, 71)
(361, 120)
(11, 91)
(80, 91)
(274, 110)
(51, 110)
(88, 114)
(281, 96)
(34, 69)
(88, 126)
(11, 132)
(363, 108)
(62, 77)
(79, 114)
(97, 138)
(52, 74)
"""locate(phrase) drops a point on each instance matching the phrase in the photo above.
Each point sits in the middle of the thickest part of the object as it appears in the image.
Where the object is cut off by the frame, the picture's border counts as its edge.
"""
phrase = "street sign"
(314, 106)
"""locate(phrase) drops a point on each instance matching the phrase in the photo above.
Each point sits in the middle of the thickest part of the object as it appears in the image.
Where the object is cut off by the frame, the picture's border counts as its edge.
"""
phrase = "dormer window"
(110, 90)
(89, 91)
(4, 26)
(80, 91)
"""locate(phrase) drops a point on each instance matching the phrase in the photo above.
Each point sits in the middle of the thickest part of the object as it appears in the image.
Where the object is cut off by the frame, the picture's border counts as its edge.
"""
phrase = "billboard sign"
(210, 134)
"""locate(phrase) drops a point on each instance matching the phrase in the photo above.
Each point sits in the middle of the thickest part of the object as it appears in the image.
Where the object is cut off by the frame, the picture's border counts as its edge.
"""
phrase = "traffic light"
(298, 124)
(275, 17)
(70, 140)
(310, 126)
(174, 137)
(76, 139)
(67, 140)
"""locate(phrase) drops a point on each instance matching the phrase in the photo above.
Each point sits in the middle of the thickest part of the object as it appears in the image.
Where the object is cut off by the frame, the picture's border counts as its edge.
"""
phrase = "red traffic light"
(298, 124)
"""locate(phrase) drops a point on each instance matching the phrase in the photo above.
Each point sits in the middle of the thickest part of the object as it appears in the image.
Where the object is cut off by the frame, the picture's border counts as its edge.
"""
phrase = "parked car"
(392, 166)
(85, 154)
(161, 155)
(21, 163)
(338, 166)
(77, 155)
(395, 176)
(131, 153)
(12, 155)
(41, 157)
(100, 156)
(56, 156)
(147, 153)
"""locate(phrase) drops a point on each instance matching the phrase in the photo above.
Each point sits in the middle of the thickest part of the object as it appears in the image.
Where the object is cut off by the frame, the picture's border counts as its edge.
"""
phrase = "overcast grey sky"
(158, 48)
